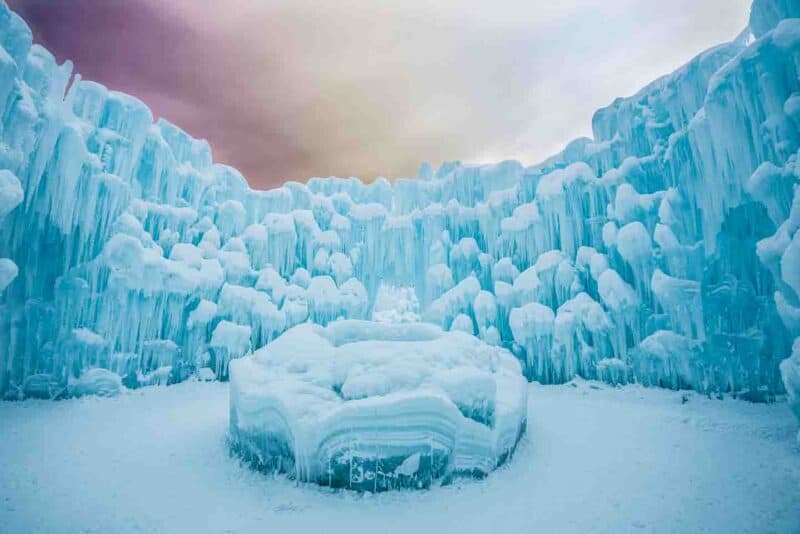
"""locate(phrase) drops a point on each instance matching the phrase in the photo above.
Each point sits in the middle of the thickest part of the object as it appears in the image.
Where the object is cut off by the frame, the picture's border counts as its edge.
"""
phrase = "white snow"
(395, 305)
(8, 272)
(11, 194)
(96, 381)
(594, 460)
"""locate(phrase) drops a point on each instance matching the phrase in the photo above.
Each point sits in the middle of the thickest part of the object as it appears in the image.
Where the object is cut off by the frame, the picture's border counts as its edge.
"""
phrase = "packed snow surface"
(594, 459)
(375, 406)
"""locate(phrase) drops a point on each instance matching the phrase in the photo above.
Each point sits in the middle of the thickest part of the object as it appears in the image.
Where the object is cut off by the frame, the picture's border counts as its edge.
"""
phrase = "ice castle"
(664, 250)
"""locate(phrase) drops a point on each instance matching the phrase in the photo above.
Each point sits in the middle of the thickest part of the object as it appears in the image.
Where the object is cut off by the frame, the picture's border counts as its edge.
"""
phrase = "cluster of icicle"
(664, 250)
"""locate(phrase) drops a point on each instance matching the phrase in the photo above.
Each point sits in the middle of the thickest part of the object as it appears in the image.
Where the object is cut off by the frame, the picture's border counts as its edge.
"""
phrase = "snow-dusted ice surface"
(395, 305)
(593, 460)
(374, 406)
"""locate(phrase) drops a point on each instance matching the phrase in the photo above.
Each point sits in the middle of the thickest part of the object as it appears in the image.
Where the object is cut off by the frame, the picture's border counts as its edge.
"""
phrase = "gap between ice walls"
(663, 251)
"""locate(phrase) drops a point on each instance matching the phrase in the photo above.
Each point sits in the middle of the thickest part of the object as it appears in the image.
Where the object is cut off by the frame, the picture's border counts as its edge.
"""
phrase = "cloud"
(292, 89)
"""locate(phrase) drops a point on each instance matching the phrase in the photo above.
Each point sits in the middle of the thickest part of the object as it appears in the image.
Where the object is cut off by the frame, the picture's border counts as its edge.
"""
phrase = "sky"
(290, 89)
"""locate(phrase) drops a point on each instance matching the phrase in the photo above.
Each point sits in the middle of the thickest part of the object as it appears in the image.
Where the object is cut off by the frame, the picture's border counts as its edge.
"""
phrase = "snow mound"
(100, 382)
(372, 407)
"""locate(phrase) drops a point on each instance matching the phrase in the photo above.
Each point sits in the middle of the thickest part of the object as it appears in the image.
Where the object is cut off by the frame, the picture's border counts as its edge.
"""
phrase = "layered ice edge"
(370, 406)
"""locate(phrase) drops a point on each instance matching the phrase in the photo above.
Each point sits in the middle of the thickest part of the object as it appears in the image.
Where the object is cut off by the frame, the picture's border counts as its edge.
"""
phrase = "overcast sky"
(286, 90)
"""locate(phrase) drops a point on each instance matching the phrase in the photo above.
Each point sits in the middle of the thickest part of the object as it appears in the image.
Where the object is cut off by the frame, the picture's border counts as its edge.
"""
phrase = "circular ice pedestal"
(371, 406)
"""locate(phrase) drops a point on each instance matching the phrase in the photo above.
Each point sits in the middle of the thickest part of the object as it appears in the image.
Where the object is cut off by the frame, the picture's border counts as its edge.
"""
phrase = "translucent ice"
(373, 406)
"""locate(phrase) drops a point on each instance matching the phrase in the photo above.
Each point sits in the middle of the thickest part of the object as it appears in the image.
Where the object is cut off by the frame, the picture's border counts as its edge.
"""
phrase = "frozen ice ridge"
(664, 250)
(375, 406)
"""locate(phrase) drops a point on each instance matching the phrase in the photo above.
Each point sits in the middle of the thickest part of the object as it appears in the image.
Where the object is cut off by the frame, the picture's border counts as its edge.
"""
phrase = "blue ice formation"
(375, 406)
(664, 250)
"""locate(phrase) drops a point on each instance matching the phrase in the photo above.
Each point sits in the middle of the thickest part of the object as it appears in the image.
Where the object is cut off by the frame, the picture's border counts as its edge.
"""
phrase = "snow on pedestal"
(100, 382)
(372, 406)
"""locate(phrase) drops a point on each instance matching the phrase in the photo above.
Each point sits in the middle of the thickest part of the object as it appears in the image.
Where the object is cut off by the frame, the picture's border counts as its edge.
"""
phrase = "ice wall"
(664, 250)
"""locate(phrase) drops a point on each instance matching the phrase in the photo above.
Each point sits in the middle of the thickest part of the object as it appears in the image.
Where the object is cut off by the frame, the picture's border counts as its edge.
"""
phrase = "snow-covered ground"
(596, 459)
